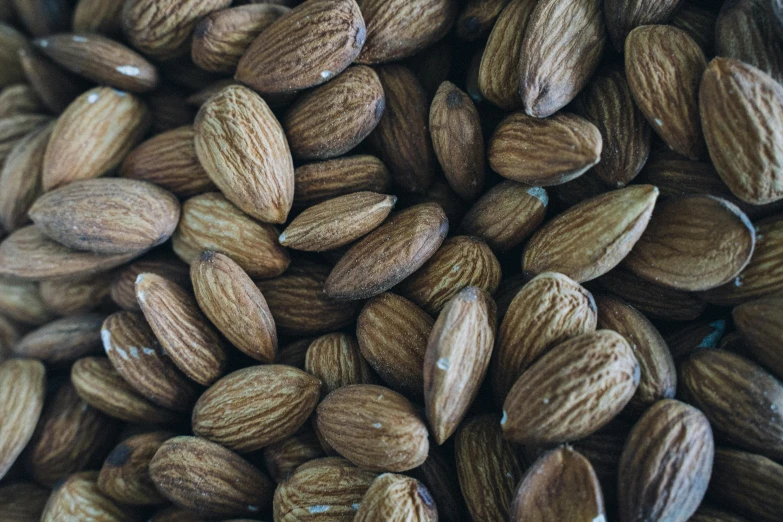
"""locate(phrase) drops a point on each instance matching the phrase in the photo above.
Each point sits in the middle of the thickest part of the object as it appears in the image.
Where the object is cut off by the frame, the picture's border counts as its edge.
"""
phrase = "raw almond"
(243, 149)
(19, 99)
(317, 182)
(21, 302)
(97, 16)
(125, 473)
(14, 128)
(336, 361)
(62, 340)
(396, 498)
(21, 400)
(622, 17)
(746, 30)
(75, 296)
(42, 16)
(123, 286)
(761, 323)
(284, 457)
(21, 178)
(23, 501)
(79, 498)
(477, 18)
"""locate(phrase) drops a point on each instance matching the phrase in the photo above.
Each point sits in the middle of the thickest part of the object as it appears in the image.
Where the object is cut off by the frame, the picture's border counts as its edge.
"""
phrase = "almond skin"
(284, 457)
(396, 498)
(572, 391)
(21, 302)
(591, 238)
(547, 311)
(373, 427)
(337, 222)
(73, 154)
(747, 483)
(388, 254)
(76, 296)
(747, 30)
(666, 463)
(256, 406)
(336, 361)
(13, 129)
(334, 118)
(62, 340)
(243, 149)
(544, 152)
(563, 44)
(308, 46)
(21, 401)
(693, 243)
(54, 85)
(209, 479)
(96, 16)
(125, 473)
(477, 18)
(317, 182)
(23, 501)
(123, 286)
(664, 67)
(748, 159)
(760, 323)
(560, 485)
(79, 498)
(622, 17)
(107, 216)
(235, 305)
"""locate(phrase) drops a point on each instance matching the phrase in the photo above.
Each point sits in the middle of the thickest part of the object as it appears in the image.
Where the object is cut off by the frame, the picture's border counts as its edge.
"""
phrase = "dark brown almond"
(622, 17)
(284, 457)
(170, 109)
(123, 287)
(23, 501)
(336, 361)
(317, 182)
(11, 41)
(42, 17)
(22, 388)
(699, 23)
(125, 473)
(55, 86)
(97, 16)
(746, 30)
(63, 340)
(747, 483)
(761, 324)
(396, 498)
(706, 333)
(79, 498)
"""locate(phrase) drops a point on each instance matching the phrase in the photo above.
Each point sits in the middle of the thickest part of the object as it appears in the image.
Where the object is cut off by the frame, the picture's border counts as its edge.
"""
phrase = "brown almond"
(706, 333)
(62, 340)
(22, 387)
(75, 296)
(477, 18)
(23, 501)
(125, 473)
(396, 498)
(8, 336)
(336, 361)
(317, 182)
(79, 498)
(284, 457)
(43, 16)
(56, 87)
(747, 483)
(14, 128)
(664, 67)
(235, 305)
(21, 178)
(97, 16)
(591, 238)
(308, 46)
(19, 99)
(21, 302)
(699, 23)
(622, 17)
(123, 286)
(11, 41)
(746, 30)
(761, 324)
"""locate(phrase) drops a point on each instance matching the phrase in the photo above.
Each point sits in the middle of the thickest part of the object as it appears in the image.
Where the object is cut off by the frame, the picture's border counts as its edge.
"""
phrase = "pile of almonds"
(391, 260)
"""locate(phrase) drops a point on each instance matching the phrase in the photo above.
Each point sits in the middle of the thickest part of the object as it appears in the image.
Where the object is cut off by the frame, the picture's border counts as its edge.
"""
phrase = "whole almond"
(243, 149)
(55, 86)
(741, 400)
(222, 38)
(123, 286)
(666, 463)
(284, 457)
(692, 337)
(23, 501)
(547, 311)
(96, 16)
(591, 238)
(308, 46)
(19, 99)
(62, 340)
(760, 323)
(125, 473)
(544, 152)
(334, 118)
(14, 128)
(747, 483)
(477, 18)
(235, 305)
(392, 334)
(699, 23)
(457, 357)
(169, 160)
(79, 498)
(622, 17)
(11, 41)
(389, 253)
(664, 67)
(560, 485)
(107, 216)
(101, 60)
(21, 178)
(138, 357)
(256, 406)
(748, 159)
(747, 30)
(562, 46)
(373, 427)
(396, 498)
(317, 182)
(76, 296)
(336, 361)
(21, 301)
(572, 390)
(184, 333)
(211, 222)
(22, 387)
(209, 479)
(337, 222)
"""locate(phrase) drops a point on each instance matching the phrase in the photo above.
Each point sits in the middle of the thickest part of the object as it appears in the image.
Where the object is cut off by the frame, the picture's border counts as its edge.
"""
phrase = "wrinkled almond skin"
(332, 482)
(209, 479)
(125, 473)
(211, 222)
(747, 30)
(20, 178)
(256, 406)
(389, 253)
(742, 401)
(243, 149)
(22, 387)
(336, 361)
(373, 427)
(396, 498)
(282, 458)
(622, 17)
(547, 311)
(120, 120)
(664, 67)
(761, 324)
(747, 483)
(562, 46)
(123, 286)
(393, 334)
(572, 390)
(79, 498)
(560, 485)
(62, 340)
(591, 238)
(317, 182)
(748, 159)
(334, 118)
(545, 152)
(666, 463)
(308, 46)
(235, 305)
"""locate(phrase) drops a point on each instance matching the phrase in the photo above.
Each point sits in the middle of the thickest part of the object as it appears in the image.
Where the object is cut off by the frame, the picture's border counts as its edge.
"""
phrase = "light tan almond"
(336, 361)
(22, 388)
(76, 296)
(79, 498)
(123, 286)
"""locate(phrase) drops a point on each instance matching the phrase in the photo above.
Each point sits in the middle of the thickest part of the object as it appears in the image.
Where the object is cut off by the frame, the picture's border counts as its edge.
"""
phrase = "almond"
(591, 238)
(226, 294)
(79, 498)
(373, 427)
(688, 339)
(306, 47)
(562, 46)
(96, 16)
(388, 254)
(284, 457)
(396, 498)
(21, 178)
(256, 406)
(243, 149)
(622, 17)
(63, 340)
(41, 16)
(334, 118)
(11, 41)
(21, 400)
(746, 30)
(666, 463)
(209, 479)
(317, 182)
(699, 23)
(760, 322)
(14, 128)
(748, 158)
(336, 361)
(664, 67)
(572, 390)
(547, 311)
(337, 222)
(211, 222)
(76, 296)
(123, 286)
(747, 483)
(125, 473)
(56, 87)
(19, 99)
(23, 501)
(477, 18)
(21, 302)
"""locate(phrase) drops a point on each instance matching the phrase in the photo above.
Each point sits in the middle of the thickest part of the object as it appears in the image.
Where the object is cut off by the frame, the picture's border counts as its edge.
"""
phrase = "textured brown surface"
(76, 296)
(336, 361)
(63, 340)
(622, 17)
(79, 498)
(746, 30)
(761, 324)
(747, 483)
(125, 473)
(396, 498)
(317, 182)
(22, 387)
(21, 178)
